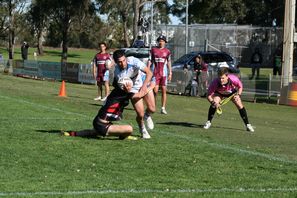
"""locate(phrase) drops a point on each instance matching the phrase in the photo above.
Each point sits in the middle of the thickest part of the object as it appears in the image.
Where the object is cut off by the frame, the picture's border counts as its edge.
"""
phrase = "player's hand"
(215, 104)
(236, 97)
(169, 77)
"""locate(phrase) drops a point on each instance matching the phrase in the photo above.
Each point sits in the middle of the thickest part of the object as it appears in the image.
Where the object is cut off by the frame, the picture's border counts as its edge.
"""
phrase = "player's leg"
(164, 95)
(122, 131)
(106, 84)
(211, 111)
(139, 109)
(98, 90)
(149, 99)
(242, 111)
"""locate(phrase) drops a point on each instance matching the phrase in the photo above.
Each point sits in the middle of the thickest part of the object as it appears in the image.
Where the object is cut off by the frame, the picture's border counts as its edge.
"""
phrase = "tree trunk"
(39, 45)
(125, 28)
(136, 4)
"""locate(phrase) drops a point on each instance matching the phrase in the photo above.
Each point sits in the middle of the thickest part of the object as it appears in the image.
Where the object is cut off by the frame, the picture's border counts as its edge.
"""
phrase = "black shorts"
(100, 127)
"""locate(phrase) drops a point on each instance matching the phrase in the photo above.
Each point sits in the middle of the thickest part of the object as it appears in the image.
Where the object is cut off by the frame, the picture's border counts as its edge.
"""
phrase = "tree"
(12, 10)
(63, 14)
(38, 17)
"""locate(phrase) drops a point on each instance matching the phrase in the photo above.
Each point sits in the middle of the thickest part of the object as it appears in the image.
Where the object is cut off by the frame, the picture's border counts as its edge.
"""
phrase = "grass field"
(181, 160)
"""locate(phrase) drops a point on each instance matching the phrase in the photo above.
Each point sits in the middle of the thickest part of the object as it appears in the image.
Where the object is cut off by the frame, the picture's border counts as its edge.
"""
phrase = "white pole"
(288, 42)
(187, 22)
(152, 23)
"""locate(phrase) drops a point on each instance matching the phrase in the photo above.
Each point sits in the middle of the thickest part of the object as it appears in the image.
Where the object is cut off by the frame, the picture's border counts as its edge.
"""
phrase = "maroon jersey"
(99, 60)
(160, 58)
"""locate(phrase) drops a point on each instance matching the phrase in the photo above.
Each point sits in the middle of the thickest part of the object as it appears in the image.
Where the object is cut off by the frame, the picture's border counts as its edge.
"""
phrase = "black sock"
(211, 112)
(244, 116)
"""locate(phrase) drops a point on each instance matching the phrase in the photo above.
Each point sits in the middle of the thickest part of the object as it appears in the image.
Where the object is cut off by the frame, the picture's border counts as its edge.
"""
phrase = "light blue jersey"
(134, 70)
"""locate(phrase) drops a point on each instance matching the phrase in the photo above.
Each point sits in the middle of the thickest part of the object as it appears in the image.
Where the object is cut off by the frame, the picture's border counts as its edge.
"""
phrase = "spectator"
(201, 69)
(277, 63)
(138, 43)
(256, 62)
(24, 50)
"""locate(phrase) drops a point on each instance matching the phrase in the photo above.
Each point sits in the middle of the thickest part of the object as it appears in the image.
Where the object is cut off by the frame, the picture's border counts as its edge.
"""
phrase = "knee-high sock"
(211, 112)
(244, 116)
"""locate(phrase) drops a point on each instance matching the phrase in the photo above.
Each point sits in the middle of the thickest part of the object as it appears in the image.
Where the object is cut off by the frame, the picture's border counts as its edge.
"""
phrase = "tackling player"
(111, 111)
(141, 76)
(222, 87)
(161, 59)
(100, 72)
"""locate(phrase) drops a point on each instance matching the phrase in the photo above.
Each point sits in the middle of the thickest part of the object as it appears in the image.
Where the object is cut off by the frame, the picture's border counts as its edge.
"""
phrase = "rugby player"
(161, 61)
(100, 72)
(222, 87)
(141, 90)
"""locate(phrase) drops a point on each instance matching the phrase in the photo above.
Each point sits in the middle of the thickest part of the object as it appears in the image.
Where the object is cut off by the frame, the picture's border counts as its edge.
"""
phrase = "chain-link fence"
(239, 41)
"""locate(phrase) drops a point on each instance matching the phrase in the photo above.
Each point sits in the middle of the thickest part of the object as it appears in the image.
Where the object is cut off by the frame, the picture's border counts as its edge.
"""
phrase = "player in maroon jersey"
(101, 73)
(161, 61)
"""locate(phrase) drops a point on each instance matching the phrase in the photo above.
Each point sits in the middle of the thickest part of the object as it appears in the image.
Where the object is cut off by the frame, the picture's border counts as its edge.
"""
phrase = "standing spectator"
(161, 59)
(101, 73)
(277, 63)
(201, 69)
(256, 62)
(24, 50)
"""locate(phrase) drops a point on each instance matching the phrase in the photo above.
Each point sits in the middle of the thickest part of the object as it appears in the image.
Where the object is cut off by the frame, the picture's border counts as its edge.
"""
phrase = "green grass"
(83, 56)
(181, 159)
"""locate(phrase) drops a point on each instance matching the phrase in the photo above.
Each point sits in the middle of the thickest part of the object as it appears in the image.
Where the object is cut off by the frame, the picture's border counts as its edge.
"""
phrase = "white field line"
(42, 106)
(137, 191)
(234, 149)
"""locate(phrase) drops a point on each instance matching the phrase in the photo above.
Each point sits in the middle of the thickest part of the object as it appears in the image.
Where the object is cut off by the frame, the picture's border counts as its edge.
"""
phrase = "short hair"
(223, 71)
(118, 54)
(102, 43)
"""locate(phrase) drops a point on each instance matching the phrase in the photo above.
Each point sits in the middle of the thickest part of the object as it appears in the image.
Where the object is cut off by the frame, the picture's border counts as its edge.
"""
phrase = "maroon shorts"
(99, 80)
(161, 80)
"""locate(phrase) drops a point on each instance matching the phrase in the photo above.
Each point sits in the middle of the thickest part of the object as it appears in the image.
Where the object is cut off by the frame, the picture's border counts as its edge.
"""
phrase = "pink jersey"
(160, 58)
(231, 87)
(99, 60)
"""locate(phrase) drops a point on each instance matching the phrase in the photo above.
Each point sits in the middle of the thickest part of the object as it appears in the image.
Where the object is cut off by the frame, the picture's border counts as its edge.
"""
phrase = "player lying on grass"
(222, 87)
(111, 111)
(141, 90)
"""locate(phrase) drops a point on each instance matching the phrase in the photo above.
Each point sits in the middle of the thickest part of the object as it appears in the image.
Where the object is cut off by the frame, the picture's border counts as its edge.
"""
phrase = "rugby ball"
(108, 64)
(124, 81)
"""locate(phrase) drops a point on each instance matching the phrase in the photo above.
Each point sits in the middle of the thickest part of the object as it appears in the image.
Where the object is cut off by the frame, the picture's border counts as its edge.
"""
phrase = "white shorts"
(106, 76)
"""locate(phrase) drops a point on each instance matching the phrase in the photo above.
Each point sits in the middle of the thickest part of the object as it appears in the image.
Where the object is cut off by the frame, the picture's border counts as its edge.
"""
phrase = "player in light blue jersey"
(140, 91)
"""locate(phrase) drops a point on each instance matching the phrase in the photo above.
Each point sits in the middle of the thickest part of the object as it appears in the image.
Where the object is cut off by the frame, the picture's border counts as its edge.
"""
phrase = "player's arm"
(169, 68)
(150, 60)
(94, 69)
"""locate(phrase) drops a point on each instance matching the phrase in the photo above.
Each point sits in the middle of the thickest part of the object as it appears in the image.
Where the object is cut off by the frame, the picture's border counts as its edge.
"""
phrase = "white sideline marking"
(237, 150)
(135, 191)
(43, 106)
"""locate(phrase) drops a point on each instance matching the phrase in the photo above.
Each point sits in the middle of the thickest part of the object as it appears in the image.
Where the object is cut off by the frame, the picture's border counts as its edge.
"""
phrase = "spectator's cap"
(25, 43)
(162, 37)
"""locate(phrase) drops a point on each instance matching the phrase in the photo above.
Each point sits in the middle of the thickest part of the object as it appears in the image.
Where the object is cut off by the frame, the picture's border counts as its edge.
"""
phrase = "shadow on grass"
(183, 124)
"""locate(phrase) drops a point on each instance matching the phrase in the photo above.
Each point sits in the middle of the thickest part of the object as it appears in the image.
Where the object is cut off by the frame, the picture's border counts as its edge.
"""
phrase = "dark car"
(214, 60)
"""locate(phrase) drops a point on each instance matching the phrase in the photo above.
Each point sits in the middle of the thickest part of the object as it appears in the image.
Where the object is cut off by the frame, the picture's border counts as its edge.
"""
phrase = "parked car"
(214, 60)
(142, 53)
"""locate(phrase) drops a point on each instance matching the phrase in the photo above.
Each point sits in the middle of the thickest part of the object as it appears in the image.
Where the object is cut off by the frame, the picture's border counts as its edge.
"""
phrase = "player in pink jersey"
(161, 60)
(100, 72)
(222, 87)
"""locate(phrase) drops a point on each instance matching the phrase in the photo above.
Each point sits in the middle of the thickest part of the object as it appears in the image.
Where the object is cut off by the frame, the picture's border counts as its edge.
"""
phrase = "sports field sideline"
(181, 160)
